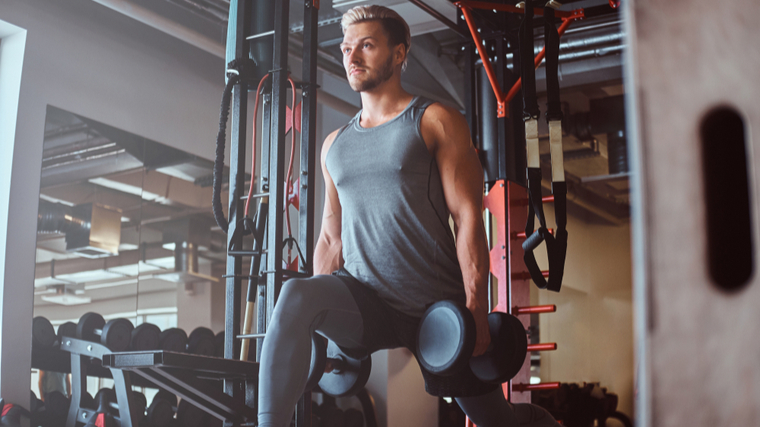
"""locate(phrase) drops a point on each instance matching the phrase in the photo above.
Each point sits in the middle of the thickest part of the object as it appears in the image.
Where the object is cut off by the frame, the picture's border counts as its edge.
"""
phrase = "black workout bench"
(185, 374)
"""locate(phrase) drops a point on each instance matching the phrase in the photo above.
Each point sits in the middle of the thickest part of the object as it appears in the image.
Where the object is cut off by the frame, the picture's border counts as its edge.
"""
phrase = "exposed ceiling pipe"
(202, 42)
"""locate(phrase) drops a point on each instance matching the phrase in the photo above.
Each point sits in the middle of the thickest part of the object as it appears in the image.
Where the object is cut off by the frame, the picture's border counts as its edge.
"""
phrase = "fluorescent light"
(66, 299)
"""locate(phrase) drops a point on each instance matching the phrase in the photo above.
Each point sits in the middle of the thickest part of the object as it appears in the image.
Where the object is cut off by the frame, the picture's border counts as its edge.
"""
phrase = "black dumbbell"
(446, 340)
(201, 342)
(68, 329)
(43, 334)
(189, 415)
(173, 339)
(346, 376)
(162, 409)
(116, 334)
(354, 418)
(145, 336)
(56, 405)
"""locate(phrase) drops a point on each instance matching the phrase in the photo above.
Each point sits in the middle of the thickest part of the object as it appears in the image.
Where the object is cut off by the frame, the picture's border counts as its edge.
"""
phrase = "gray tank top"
(395, 231)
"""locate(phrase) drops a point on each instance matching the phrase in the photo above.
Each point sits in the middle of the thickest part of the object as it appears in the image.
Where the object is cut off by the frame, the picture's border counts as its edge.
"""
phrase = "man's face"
(367, 58)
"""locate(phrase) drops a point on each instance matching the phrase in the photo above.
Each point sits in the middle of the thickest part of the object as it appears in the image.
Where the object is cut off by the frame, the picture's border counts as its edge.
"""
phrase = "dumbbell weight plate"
(43, 334)
(167, 396)
(117, 334)
(201, 342)
(56, 404)
(348, 380)
(110, 395)
(160, 413)
(354, 418)
(145, 337)
(318, 361)
(506, 355)
(173, 339)
(68, 329)
(87, 325)
(333, 416)
(444, 345)
(188, 415)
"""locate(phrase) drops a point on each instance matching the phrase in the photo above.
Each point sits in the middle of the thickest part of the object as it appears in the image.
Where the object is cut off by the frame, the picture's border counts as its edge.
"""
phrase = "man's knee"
(295, 296)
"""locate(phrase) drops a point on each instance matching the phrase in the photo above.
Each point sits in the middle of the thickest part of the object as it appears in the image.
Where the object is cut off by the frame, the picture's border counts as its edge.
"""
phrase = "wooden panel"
(698, 347)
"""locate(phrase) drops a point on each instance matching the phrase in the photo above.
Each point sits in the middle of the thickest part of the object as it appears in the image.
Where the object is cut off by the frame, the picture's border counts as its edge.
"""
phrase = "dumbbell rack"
(237, 402)
(82, 355)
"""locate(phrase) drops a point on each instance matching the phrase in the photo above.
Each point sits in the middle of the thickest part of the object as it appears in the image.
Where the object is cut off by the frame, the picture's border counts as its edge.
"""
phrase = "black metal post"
(277, 154)
(237, 47)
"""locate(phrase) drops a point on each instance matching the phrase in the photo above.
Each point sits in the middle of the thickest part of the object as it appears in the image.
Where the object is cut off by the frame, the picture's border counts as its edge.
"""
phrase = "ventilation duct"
(92, 230)
(185, 266)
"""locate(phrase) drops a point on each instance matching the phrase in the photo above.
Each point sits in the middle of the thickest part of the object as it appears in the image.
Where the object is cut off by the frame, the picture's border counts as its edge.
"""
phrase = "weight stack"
(693, 92)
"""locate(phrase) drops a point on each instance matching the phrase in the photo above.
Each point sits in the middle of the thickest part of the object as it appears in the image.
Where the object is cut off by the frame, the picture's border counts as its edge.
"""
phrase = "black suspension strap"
(556, 246)
(237, 70)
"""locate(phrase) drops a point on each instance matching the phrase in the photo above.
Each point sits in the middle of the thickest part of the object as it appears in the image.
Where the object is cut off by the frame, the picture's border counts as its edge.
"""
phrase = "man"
(385, 253)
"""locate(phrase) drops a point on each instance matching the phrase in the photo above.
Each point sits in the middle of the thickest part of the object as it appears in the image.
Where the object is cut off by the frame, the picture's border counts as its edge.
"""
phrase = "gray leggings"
(324, 304)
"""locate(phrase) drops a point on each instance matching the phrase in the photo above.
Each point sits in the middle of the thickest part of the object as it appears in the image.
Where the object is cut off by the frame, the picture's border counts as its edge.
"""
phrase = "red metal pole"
(482, 53)
(521, 234)
(525, 275)
(531, 387)
(536, 309)
(550, 346)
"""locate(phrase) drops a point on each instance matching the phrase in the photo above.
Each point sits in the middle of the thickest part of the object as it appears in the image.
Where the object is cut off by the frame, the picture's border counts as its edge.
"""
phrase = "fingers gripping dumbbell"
(446, 341)
(116, 334)
(336, 373)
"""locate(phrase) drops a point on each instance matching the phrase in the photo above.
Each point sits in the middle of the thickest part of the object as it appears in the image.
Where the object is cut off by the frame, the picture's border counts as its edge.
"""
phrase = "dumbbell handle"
(335, 364)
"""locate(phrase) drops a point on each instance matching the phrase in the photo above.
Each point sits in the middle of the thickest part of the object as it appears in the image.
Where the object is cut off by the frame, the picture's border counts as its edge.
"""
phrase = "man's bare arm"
(328, 252)
(462, 179)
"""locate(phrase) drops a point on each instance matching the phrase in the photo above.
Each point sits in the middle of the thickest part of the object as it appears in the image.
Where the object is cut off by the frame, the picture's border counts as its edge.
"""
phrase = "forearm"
(327, 256)
(473, 256)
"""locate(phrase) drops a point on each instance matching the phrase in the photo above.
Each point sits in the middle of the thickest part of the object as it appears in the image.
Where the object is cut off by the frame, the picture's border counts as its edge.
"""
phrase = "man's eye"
(367, 45)
(346, 49)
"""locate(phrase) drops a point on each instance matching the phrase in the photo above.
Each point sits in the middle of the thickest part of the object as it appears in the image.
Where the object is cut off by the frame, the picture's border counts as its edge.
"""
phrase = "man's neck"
(383, 103)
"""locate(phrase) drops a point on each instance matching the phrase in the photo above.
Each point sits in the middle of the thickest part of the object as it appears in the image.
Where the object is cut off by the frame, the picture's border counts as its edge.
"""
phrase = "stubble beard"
(384, 73)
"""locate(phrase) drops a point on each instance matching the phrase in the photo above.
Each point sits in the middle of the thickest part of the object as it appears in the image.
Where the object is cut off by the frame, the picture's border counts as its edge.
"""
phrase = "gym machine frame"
(237, 405)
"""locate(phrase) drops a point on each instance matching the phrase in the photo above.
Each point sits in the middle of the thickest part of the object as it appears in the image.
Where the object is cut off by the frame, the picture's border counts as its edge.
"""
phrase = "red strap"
(100, 421)
(6, 408)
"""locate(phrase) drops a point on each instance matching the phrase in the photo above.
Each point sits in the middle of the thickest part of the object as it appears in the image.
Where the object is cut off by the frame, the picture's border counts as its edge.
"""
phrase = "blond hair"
(394, 25)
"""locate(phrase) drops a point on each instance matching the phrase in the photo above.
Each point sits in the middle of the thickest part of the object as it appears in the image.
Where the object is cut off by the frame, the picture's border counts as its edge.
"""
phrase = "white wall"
(593, 325)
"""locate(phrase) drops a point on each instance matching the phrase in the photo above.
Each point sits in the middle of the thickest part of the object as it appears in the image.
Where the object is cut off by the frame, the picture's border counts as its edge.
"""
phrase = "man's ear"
(400, 53)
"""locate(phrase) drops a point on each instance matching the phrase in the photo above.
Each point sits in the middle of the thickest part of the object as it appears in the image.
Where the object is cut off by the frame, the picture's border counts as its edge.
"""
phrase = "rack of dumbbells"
(79, 348)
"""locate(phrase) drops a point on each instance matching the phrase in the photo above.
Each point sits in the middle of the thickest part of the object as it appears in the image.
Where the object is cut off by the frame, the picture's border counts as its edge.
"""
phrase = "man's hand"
(483, 334)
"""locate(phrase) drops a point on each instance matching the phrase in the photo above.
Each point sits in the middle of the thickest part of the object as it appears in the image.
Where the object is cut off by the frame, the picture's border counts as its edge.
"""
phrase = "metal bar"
(532, 387)
(543, 347)
(521, 234)
(261, 298)
(526, 276)
(79, 387)
(439, 16)
(123, 387)
(251, 336)
(534, 309)
(277, 154)
(308, 137)
(237, 47)
(255, 196)
(172, 385)
(264, 34)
